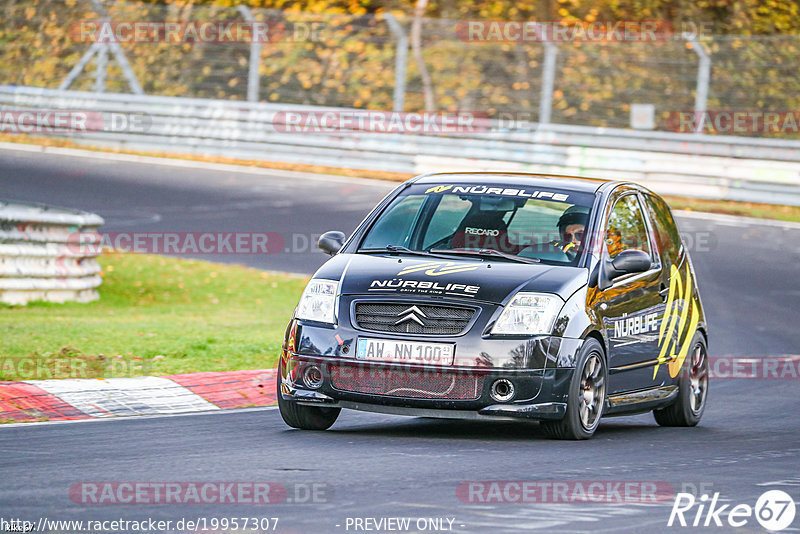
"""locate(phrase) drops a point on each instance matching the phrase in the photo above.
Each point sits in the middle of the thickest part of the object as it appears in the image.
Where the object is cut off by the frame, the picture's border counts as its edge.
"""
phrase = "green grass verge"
(156, 316)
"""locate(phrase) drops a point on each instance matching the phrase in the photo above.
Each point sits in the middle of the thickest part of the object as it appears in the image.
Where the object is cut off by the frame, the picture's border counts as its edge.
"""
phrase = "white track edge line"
(137, 417)
(736, 220)
(191, 164)
(277, 173)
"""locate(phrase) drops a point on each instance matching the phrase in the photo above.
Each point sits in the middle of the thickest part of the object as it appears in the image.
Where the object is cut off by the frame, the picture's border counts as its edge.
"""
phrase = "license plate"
(390, 350)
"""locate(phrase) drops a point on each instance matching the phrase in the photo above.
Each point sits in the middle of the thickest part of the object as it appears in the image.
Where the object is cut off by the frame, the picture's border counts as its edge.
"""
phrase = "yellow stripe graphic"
(449, 270)
(675, 322)
(420, 267)
(438, 268)
(674, 280)
(687, 303)
(670, 317)
(675, 367)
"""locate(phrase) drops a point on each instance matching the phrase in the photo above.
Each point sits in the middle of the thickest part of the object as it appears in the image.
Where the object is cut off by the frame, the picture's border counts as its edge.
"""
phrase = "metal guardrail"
(726, 167)
(41, 257)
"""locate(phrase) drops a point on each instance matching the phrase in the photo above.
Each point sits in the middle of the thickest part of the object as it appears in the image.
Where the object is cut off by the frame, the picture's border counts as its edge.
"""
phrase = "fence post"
(548, 82)
(102, 50)
(119, 55)
(400, 61)
(101, 70)
(703, 80)
(255, 58)
(77, 69)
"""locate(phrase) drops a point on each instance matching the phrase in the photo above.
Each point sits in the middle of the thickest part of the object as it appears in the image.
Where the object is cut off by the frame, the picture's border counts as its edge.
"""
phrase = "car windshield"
(504, 222)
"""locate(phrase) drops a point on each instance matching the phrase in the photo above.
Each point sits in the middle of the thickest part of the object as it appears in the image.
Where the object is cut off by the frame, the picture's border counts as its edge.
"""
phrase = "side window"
(666, 232)
(394, 227)
(626, 227)
(445, 220)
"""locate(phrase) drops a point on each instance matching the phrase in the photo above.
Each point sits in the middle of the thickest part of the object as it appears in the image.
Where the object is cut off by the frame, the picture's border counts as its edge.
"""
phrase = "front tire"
(587, 396)
(305, 417)
(688, 408)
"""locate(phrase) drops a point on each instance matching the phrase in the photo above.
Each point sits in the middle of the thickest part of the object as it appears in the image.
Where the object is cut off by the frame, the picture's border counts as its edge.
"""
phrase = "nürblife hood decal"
(490, 281)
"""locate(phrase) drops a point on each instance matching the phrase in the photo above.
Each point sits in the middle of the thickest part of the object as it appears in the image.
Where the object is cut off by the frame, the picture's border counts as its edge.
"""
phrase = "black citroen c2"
(501, 295)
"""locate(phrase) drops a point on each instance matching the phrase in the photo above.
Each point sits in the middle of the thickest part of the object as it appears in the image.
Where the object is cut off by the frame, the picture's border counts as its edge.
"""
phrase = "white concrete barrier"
(39, 254)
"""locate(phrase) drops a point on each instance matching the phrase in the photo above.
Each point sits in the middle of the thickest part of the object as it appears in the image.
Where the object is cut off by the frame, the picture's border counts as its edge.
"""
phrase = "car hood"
(469, 278)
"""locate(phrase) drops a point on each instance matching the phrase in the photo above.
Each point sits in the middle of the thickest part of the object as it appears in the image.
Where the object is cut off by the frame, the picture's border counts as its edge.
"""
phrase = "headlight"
(529, 314)
(318, 302)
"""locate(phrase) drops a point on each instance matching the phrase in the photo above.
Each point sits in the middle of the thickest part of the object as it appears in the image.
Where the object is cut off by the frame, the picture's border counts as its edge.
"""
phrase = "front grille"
(408, 383)
(427, 318)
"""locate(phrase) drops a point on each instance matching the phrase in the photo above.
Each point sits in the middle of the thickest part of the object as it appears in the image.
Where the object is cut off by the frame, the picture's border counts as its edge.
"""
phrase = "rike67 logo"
(774, 510)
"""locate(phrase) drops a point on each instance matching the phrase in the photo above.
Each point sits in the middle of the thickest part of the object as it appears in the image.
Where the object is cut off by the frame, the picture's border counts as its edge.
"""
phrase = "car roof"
(556, 181)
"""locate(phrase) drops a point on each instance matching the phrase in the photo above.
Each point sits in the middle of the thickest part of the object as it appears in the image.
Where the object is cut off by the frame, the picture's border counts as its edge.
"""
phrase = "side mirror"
(331, 242)
(629, 262)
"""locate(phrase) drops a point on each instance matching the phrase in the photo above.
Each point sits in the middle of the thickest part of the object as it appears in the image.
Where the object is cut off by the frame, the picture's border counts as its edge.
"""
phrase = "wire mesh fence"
(345, 60)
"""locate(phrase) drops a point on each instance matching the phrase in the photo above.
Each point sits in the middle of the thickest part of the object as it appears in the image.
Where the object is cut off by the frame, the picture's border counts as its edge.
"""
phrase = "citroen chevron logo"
(411, 314)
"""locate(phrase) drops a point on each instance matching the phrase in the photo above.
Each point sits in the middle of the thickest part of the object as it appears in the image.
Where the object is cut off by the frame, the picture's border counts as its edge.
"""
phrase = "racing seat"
(483, 229)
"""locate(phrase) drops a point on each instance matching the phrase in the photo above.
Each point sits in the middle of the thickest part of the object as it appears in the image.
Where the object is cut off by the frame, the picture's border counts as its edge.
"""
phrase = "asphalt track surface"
(384, 466)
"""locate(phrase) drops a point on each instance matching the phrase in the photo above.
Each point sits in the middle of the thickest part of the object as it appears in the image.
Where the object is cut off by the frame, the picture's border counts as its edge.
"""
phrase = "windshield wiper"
(397, 249)
(487, 252)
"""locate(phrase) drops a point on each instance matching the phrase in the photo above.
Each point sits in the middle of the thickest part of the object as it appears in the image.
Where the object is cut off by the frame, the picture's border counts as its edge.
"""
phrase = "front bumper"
(553, 410)
(407, 389)
(540, 369)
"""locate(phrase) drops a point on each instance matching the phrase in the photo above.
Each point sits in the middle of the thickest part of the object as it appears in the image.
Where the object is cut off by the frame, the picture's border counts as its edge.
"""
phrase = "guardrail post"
(400, 61)
(703, 80)
(255, 58)
(548, 83)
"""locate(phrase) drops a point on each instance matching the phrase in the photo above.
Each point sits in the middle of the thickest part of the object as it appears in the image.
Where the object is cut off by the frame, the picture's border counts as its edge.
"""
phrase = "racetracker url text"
(198, 524)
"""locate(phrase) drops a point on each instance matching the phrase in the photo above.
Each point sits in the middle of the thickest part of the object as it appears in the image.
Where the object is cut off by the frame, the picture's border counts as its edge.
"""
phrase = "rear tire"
(688, 408)
(305, 417)
(587, 396)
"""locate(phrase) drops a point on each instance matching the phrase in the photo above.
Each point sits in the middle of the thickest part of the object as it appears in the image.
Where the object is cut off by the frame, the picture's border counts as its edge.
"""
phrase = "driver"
(571, 226)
